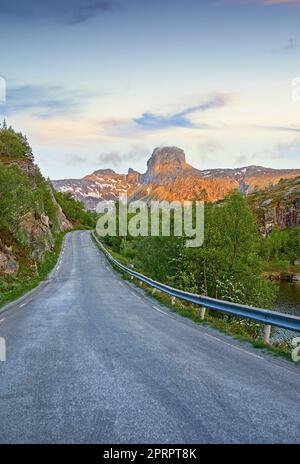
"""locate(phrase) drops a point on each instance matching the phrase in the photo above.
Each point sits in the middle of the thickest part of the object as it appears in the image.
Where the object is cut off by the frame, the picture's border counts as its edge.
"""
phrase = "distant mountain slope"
(169, 177)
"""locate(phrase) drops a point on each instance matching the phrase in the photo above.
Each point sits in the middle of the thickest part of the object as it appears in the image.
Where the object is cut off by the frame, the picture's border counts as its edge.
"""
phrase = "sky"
(101, 83)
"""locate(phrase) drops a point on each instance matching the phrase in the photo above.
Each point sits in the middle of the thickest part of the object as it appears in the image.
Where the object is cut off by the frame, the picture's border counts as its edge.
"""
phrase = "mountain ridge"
(170, 177)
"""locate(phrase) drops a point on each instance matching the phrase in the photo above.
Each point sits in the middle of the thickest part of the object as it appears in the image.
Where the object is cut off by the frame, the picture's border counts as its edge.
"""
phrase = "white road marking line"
(23, 304)
(206, 334)
(2, 320)
(134, 294)
(163, 312)
(216, 338)
(234, 346)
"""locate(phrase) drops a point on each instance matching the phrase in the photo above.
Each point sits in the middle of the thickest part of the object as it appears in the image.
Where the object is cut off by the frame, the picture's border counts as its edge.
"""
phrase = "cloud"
(75, 159)
(150, 121)
(43, 101)
(208, 149)
(278, 128)
(289, 150)
(283, 152)
(64, 11)
(109, 158)
(115, 158)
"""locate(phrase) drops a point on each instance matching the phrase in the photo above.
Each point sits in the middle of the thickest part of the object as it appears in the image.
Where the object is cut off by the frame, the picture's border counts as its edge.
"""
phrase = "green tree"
(14, 144)
(227, 266)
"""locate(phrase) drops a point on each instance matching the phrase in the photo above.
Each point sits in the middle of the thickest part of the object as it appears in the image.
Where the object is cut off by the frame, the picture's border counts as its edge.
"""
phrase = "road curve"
(90, 359)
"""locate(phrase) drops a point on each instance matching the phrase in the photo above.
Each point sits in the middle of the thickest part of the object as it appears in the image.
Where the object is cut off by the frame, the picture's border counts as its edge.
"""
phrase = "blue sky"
(100, 84)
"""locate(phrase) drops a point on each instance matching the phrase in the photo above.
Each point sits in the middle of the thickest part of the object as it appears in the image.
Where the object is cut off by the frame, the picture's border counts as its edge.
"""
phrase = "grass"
(12, 287)
(238, 328)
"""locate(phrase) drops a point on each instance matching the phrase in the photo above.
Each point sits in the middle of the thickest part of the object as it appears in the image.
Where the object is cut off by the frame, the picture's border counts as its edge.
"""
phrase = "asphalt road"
(91, 359)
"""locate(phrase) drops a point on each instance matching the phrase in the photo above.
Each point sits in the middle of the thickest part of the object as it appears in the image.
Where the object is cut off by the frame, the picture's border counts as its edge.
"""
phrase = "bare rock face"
(133, 177)
(26, 165)
(37, 233)
(64, 223)
(165, 164)
(8, 262)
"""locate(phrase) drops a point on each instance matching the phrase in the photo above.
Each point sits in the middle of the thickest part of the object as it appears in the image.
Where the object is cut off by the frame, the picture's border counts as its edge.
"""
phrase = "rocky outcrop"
(165, 165)
(8, 262)
(37, 232)
(64, 223)
(133, 177)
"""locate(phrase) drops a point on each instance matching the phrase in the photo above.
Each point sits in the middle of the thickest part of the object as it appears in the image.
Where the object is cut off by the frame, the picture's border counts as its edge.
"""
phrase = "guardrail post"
(173, 300)
(202, 312)
(267, 333)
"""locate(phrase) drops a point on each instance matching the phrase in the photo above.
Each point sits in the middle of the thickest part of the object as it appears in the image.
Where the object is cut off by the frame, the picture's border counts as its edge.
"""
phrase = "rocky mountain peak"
(165, 163)
(163, 155)
(103, 173)
(133, 177)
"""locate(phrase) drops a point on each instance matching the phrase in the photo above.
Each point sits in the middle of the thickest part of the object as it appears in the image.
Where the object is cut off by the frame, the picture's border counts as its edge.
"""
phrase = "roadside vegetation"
(230, 265)
(240, 329)
(280, 250)
(30, 274)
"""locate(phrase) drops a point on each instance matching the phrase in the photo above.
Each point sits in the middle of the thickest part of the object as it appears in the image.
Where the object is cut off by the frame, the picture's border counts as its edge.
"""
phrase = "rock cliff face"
(8, 262)
(170, 177)
(278, 205)
(165, 165)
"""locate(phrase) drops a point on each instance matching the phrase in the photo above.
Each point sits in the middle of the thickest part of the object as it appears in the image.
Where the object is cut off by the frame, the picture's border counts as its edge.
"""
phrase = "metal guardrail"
(265, 316)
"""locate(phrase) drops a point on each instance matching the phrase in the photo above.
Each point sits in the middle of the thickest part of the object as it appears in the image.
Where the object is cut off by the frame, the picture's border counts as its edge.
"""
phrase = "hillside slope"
(31, 220)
